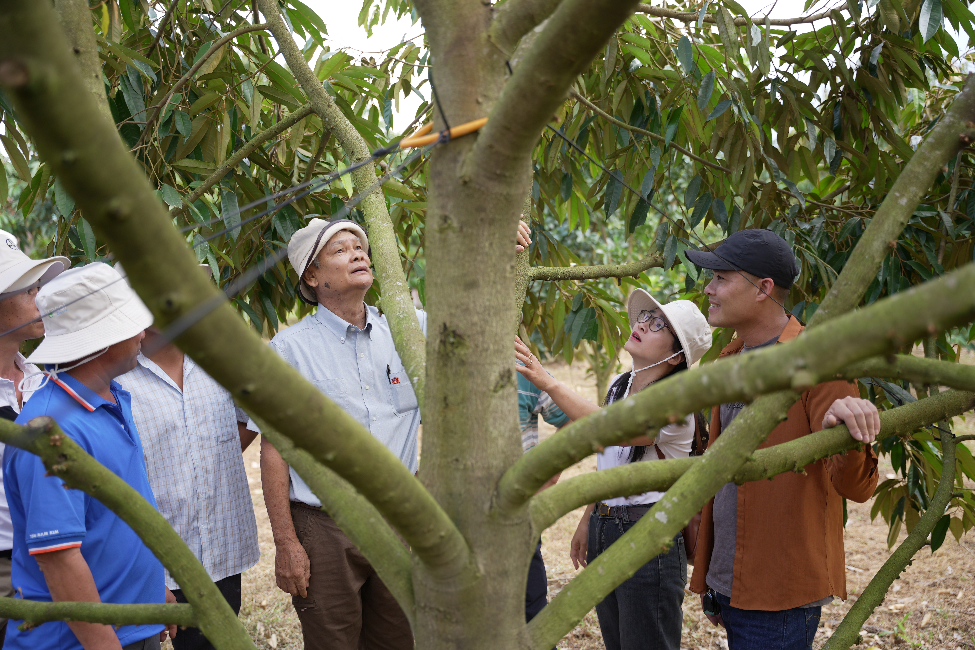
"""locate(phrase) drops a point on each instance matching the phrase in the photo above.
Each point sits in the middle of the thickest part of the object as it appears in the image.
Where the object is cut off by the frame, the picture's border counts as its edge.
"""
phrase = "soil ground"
(932, 605)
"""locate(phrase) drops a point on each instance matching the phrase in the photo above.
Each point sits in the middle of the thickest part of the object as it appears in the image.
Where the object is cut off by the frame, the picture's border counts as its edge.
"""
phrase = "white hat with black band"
(19, 272)
(306, 243)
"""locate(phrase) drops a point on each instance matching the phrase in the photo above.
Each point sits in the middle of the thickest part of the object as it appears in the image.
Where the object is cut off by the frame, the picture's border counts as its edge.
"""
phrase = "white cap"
(87, 309)
(307, 242)
(17, 271)
(686, 321)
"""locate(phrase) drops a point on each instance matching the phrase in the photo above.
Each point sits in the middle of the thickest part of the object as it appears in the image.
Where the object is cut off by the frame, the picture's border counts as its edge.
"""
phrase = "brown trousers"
(347, 607)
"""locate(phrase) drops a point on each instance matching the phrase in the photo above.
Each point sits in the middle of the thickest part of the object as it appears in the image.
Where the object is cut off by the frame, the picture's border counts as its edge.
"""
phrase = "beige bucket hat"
(19, 272)
(87, 309)
(686, 320)
(307, 242)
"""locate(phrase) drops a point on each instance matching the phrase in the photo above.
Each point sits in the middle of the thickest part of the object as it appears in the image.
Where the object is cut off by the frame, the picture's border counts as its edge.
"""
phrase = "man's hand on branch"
(169, 630)
(292, 570)
(532, 370)
(524, 236)
(859, 415)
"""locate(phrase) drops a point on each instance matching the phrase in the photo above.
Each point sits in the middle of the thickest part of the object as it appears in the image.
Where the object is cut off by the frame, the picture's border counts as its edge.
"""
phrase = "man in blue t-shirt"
(67, 545)
(533, 401)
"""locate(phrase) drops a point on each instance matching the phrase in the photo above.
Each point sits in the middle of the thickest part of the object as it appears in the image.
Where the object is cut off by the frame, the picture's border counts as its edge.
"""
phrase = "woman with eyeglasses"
(644, 611)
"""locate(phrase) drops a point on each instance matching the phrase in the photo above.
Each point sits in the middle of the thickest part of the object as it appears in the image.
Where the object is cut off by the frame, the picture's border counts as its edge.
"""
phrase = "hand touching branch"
(524, 236)
(571, 403)
(859, 415)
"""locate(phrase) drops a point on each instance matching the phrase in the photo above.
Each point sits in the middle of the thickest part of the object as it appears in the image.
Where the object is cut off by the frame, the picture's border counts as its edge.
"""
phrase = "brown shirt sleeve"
(854, 473)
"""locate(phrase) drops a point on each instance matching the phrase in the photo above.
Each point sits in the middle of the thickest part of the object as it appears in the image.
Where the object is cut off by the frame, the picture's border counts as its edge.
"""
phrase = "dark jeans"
(191, 638)
(152, 643)
(536, 594)
(644, 611)
(790, 629)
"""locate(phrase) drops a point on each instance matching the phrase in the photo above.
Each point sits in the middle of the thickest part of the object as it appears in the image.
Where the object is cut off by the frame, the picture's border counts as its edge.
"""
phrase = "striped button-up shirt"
(8, 397)
(360, 371)
(196, 469)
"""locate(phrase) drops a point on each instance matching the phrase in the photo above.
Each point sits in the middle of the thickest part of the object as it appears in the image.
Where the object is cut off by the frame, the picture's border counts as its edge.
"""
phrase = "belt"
(626, 513)
(7, 554)
(302, 504)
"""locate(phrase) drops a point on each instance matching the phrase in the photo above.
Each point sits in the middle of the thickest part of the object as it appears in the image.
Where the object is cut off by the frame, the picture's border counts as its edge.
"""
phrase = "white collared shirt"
(8, 397)
(195, 465)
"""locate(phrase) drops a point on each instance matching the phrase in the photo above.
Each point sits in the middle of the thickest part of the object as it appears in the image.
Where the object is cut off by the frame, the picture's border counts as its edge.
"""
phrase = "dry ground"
(932, 605)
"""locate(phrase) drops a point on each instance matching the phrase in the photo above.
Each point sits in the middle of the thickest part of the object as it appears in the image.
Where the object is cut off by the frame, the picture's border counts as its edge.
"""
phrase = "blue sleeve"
(552, 413)
(55, 515)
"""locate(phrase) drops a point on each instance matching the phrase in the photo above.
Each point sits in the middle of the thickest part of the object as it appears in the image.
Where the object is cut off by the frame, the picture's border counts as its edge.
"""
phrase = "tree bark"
(77, 25)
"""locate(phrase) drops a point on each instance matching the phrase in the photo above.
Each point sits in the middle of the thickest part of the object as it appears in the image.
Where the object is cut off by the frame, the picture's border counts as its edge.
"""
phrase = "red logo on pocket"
(395, 380)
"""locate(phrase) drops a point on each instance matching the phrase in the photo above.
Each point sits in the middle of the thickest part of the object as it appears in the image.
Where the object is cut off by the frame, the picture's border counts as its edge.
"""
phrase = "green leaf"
(690, 194)
(829, 149)
(228, 209)
(718, 110)
(728, 32)
(670, 251)
(195, 166)
(87, 240)
(939, 532)
(612, 197)
(4, 187)
(565, 189)
(171, 196)
(720, 214)
(251, 314)
(61, 198)
(875, 58)
(286, 223)
(854, 7)
(272, 317)
(702, 13)
(639, 216)
(689, 266)
(685, 53)
(200, 247)
(929, 22)
(700, 209)
(889, 15)
(704, 92)
(183, 123)
(646, 189)
(673, 123)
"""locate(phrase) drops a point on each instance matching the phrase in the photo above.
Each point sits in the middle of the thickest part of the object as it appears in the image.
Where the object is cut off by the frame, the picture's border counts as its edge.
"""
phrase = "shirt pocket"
(402, 397)
(334, 390)
(221, 417)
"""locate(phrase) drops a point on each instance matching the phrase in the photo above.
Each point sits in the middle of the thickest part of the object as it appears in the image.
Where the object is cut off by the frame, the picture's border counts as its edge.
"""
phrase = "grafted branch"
(242, 153)
(64, 458)
(515, 18)
(813, 357)
(691, 16)
(944, 141)
(33, 613)
(584, 272)
(357, 518)
(89, 158)
(848, 631)
(548, 506)
(396, 299)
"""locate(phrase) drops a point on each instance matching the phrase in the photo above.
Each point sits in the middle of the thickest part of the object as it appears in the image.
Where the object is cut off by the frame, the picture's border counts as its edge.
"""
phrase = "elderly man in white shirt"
(20, 278)
(193, 435)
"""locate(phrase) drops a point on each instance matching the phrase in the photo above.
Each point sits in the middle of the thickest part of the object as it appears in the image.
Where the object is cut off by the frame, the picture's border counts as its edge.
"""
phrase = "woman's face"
(648, 346)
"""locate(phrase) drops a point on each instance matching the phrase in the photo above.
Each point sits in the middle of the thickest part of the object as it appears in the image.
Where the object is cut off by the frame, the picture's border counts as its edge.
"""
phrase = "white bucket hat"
(17, 271)
(307, 242)
(87, 309)
(686, 321)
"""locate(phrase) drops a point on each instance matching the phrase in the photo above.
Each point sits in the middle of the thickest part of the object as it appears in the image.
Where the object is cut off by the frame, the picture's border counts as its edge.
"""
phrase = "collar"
(340, 327)
(792, 329)
(89, 399)
(153, 368)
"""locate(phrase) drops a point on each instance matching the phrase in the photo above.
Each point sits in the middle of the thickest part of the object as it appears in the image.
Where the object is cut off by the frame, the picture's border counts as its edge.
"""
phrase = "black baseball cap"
(759, 252)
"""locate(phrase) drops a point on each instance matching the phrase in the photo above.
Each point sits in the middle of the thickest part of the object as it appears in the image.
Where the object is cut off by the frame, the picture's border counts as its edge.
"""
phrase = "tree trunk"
(76, 23)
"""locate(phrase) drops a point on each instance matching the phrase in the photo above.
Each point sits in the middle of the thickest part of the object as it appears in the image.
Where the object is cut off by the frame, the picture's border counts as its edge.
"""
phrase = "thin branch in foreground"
(33, 613)
(692, 16)
(586, 272)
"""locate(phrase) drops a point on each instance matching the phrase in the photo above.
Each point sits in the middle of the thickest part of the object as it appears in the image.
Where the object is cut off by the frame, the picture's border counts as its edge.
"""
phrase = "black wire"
(899, 402)
(662, 213)
(436, 99)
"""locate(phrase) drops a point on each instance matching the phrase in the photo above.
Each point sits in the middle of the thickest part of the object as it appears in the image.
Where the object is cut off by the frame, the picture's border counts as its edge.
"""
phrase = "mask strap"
(53, 374)
(633, 372)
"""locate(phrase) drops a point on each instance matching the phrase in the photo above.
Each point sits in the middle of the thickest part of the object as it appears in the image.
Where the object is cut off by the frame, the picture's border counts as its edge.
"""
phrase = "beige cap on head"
(307, 242)
(686, 320)
(17, 271)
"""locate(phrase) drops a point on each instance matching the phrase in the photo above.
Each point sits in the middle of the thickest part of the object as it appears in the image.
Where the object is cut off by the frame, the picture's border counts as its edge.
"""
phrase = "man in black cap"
(770, 553)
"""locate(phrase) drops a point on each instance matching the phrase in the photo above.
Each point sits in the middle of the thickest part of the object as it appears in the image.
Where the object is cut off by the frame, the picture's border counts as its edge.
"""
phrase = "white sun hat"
(87, 309)
(307, 242)
(685, 319)
(18, 272)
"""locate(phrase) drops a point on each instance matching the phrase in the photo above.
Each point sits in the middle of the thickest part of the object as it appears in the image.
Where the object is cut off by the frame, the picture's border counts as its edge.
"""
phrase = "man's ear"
(767, 286)
(309, 278)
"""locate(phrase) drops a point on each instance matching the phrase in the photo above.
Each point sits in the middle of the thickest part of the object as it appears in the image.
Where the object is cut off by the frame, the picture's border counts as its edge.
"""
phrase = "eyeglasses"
(656, 322)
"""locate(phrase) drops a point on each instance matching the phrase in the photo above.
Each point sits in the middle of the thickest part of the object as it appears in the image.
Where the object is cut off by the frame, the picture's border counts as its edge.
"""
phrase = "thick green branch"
(87, 155)
(246, 150)
(655, 531)
(813, 357)
(691, 16)
(62, 457)
(357, 518)
(914, 369)
(944, 141)
(34, 613)
(848, 631)
(396, 299)
(584, 272)
(539, 84)
(76, 23)
(515, 18)
(650, 134)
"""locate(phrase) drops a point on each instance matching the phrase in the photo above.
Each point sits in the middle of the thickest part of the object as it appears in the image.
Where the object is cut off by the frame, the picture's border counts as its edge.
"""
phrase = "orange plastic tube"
(419, 139)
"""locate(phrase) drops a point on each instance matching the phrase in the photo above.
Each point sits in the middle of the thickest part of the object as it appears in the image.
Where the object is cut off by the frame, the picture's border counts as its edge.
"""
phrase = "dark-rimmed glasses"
(656, 322)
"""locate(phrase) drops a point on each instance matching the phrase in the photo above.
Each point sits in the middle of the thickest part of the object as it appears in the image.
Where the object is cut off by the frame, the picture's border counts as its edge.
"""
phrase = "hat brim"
(122, 324)
(710, 261)
(324, 236)
(640, 300)
(28, 272)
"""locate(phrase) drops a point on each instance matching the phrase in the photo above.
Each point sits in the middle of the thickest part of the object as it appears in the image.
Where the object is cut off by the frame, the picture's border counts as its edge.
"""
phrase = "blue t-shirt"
(48, 517)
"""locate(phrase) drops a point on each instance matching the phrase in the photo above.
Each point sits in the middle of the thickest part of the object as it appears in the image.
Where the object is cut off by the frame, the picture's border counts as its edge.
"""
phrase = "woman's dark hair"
(618, 387)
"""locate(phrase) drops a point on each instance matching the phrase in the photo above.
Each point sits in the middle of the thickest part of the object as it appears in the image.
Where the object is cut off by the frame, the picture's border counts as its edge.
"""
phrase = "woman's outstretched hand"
(532, 370)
